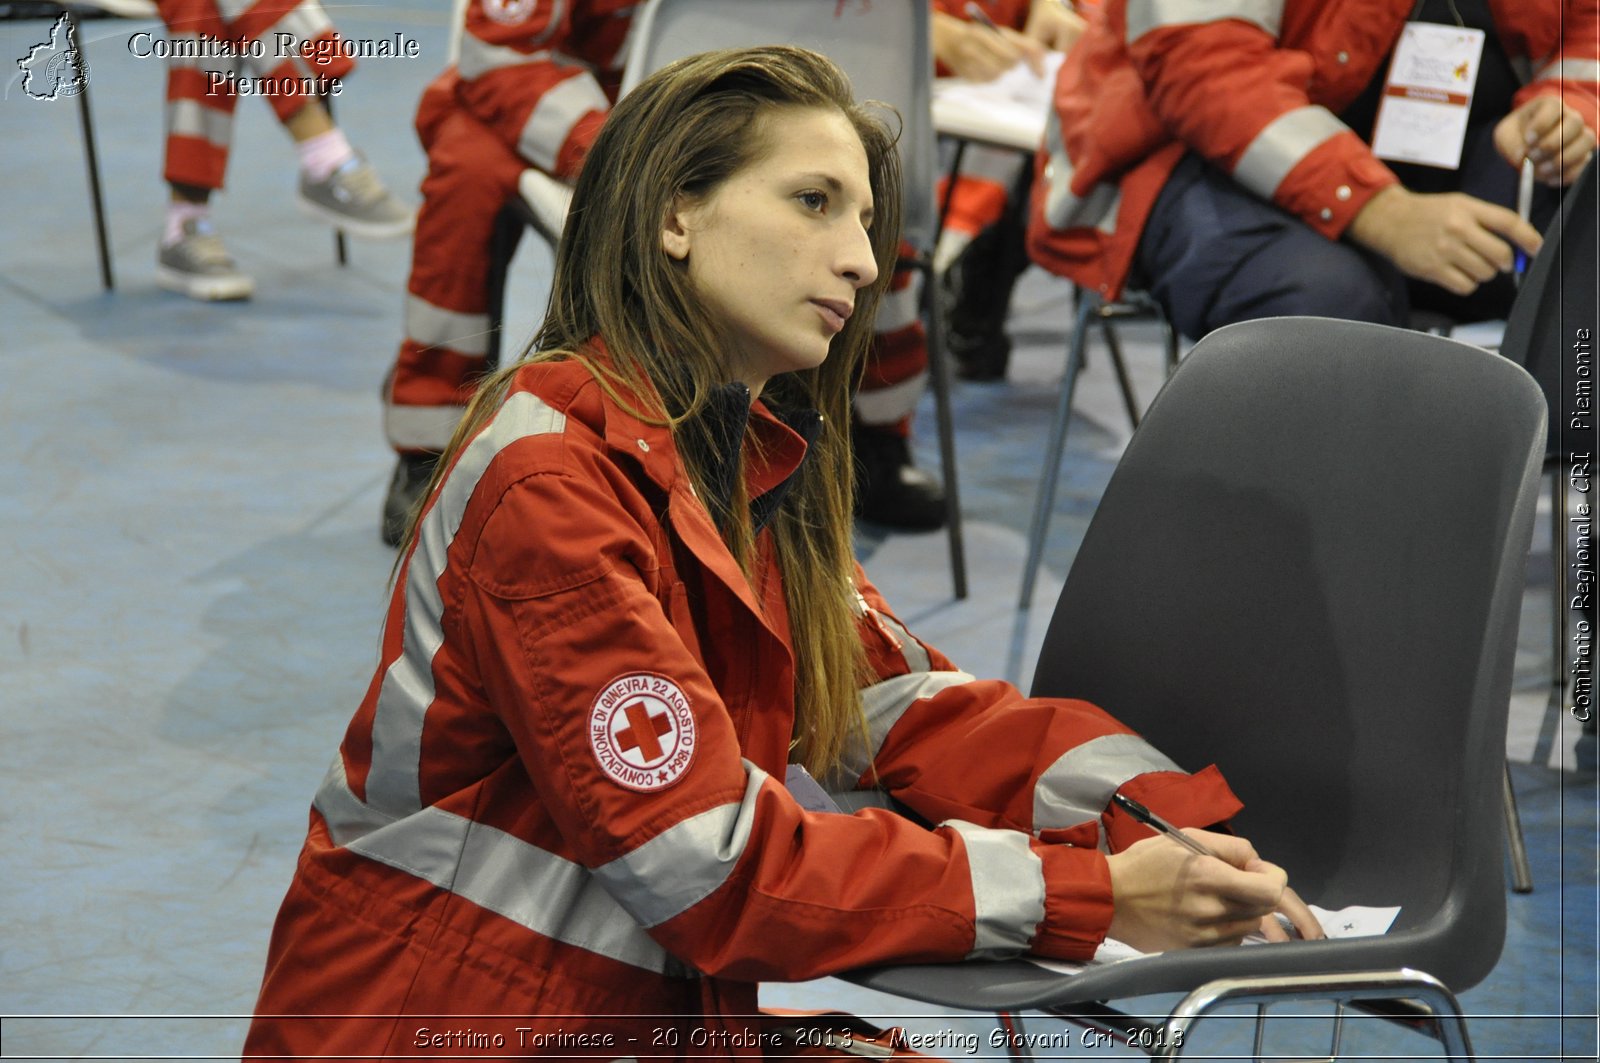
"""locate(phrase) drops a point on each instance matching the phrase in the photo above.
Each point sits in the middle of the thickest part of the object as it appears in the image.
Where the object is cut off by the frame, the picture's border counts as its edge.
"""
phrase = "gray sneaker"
(200, 267)
(353, 199)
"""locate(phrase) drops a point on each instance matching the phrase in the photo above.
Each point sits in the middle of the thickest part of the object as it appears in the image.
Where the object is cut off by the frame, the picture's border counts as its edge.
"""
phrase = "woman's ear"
(675, 229)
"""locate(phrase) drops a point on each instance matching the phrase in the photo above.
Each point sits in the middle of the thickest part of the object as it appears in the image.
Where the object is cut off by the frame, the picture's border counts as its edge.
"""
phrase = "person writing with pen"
(572, 808)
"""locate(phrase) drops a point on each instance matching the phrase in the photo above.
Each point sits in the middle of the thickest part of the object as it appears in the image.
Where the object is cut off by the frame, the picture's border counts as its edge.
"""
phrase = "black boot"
(977, 292)
(890, 490)
(411, 475)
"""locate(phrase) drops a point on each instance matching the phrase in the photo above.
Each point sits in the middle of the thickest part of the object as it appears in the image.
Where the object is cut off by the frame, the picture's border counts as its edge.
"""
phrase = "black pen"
(1150, 819)
(979, 15)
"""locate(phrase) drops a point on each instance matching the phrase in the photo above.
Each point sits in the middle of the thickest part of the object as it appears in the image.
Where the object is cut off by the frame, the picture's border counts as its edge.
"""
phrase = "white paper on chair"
(1352, 922)
(1010, 110)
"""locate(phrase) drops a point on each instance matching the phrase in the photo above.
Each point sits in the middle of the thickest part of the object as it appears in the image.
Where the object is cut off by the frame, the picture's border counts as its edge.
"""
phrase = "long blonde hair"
(682, 132)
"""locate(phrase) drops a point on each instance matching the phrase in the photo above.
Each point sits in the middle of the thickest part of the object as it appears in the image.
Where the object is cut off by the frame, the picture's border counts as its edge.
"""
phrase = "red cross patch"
(642, 731)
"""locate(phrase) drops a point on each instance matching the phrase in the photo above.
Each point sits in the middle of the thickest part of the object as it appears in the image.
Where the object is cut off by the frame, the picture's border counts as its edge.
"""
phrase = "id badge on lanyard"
(1428, 95)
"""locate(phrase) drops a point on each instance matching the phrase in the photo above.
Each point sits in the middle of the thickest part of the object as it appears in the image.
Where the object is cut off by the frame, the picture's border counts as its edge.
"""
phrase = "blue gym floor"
(192, 580)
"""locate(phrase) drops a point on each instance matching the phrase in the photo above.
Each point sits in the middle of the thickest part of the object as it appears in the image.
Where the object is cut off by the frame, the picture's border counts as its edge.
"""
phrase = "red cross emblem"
(642, 731)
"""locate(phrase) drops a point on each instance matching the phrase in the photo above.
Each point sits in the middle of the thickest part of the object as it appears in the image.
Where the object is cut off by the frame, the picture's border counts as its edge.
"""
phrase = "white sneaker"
(200, 267)
(352, 198)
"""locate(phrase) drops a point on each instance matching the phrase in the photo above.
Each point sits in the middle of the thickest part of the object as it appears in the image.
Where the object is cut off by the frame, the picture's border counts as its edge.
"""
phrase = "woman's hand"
(977, 52)
(1054, 24)
(1300, 918)
(1167, 897)
(1551, 135)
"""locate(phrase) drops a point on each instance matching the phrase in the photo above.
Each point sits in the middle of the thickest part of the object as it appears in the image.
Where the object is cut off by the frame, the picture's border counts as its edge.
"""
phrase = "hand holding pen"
(1208, 889)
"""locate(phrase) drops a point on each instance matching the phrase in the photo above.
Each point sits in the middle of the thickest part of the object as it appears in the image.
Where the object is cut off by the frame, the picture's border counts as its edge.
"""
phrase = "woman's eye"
(816, 201)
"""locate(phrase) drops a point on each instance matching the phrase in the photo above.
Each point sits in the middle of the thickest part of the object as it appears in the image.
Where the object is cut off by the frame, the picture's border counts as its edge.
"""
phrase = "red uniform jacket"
(562, 798)
(1253, 86)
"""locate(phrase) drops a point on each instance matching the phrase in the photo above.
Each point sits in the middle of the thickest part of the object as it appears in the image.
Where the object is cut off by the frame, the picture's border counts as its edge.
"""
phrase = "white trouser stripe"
(530, 886)
(1147, 15)
(687, 862)
(887, 405)
(434, 326)
(420, 427)
(1570, 70)
(191, 118)
(1279, 147)
(478, 57)
(305, 22)
(1007, 889)
(554, 115)
(897, 310)
(407, 689)
(1078, 786)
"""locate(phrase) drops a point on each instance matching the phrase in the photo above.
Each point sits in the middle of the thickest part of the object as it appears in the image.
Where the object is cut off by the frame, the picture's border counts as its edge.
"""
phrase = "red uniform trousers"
(281, 39)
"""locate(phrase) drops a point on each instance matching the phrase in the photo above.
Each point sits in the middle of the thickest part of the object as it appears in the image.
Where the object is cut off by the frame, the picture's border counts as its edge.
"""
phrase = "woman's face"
(779, 250)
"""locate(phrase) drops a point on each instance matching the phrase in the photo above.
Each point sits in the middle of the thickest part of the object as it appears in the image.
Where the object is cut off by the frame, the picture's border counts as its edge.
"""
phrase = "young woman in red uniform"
(559, 823)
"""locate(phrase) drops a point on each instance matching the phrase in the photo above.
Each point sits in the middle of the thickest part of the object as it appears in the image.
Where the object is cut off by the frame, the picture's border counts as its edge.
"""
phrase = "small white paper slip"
(1423, 115)
(1352, 922)
(807, 792)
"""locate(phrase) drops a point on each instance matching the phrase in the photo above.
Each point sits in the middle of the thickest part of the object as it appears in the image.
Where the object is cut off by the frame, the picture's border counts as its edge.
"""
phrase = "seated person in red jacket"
(629, 609)
(1220, 155)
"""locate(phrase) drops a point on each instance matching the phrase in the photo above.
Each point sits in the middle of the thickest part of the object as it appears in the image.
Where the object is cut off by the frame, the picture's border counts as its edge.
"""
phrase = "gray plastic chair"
(1307, 568)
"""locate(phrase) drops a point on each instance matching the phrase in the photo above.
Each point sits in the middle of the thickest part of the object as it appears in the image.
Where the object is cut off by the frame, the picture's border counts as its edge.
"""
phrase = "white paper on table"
(1352, 922)
(1010, 110)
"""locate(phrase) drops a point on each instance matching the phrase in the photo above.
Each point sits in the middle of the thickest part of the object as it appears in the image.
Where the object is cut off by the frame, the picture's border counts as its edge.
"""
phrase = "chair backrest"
(1307, 569)
(883, 45)
(1554, 325)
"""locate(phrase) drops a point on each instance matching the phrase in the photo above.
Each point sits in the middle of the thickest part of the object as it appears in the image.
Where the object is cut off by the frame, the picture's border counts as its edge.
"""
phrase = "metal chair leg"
(939, 376)
(1089, 304)
(1130, 401)
(1016, 1044)
(1521, 870)
(91, 157)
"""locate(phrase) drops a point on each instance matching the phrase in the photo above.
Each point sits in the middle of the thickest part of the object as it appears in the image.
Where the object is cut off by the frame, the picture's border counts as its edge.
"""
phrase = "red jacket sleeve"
(954, 747)
(1573, 73)
(1229, 91)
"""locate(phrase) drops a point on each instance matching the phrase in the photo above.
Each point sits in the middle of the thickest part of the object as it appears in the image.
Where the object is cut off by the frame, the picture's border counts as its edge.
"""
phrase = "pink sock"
(178, 212)
(324, 153)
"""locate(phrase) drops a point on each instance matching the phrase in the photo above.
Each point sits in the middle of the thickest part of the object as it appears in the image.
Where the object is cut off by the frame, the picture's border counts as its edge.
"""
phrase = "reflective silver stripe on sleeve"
(1146, 15)
(189, 118)
(1280, 146)
(1570, 70)
(1078, 786)
(533, 887)
(1063, 209)
(883, 704)
(434, 326)
(687, 862)
(553, 116)
(1007, 889)
(407, 689)
(917, 659)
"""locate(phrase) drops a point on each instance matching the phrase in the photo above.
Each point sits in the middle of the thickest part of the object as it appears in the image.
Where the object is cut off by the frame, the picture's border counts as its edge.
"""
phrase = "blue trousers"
(1212, 254)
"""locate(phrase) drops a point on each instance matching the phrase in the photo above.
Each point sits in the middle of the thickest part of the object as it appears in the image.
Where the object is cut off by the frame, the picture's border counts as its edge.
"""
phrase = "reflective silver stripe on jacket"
(1063, 209)
(407, 689)
(533, 887)
(434, 326)
(687, 862)
(883, 704)
(1570, 70)
(1007, 889)
(1078, 786)
(1280, 146)
(553, 116)
(303, 22)
(1147, 15)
